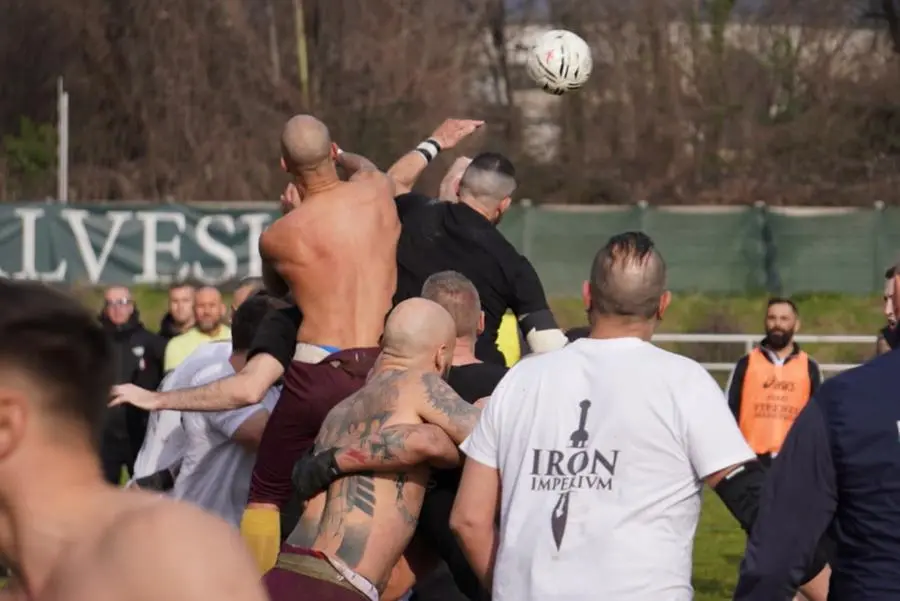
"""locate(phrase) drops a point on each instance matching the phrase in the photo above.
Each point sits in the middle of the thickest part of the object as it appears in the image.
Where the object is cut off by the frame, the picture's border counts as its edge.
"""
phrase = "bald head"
(305, 144)
(489, 179)
(628, 278)
(458, 296)
(419, 329)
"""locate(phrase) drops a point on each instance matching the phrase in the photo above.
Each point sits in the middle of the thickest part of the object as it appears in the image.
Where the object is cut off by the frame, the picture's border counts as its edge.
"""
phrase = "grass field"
(720, 542)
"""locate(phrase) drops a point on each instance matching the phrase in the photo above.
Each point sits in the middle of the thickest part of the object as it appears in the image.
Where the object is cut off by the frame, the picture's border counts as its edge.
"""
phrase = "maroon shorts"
(310, 391)
(300, 574)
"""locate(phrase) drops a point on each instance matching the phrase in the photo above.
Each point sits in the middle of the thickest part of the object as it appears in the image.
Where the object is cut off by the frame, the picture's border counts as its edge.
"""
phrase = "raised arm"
(406, 171)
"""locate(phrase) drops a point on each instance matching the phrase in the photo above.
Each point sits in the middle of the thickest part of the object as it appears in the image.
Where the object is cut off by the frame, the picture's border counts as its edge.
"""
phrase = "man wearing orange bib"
(770, 385)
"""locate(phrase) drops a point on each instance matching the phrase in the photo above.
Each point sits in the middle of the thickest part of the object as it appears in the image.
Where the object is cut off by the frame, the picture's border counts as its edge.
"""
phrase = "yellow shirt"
(508, 339)
(183, 345)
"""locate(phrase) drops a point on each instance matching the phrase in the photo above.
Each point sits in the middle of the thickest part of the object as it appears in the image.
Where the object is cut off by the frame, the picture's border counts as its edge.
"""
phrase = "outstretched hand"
(452, 131)
(134, 395)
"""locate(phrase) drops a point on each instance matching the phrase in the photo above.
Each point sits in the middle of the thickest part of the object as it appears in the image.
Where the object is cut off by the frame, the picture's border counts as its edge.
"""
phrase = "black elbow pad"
(740, 492)
(538, 321)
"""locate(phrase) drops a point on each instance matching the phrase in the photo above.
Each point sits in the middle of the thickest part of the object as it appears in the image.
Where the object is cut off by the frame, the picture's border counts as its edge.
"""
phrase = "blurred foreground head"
(56, 371)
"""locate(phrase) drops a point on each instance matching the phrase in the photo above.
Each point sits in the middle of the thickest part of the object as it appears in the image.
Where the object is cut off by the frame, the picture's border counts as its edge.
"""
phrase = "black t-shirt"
(277, 335)
(476, 380)
(472, 382)
(439, 236)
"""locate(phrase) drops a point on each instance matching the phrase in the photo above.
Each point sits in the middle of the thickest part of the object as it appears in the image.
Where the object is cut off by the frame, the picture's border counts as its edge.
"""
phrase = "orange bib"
(771, 399)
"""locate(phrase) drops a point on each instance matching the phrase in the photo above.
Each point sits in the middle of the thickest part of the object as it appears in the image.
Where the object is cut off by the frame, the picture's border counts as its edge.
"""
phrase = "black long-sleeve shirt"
(838, 471)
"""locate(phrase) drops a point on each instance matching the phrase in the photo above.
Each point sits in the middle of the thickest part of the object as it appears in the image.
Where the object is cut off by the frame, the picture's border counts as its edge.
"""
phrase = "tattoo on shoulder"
(444, 399)
(362, 413)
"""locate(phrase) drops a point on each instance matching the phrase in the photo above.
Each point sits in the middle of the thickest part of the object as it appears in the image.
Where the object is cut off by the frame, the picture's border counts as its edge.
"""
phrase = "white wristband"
(429, 149)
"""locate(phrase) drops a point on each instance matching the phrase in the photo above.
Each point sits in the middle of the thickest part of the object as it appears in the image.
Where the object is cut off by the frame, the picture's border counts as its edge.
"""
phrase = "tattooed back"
(367, 519)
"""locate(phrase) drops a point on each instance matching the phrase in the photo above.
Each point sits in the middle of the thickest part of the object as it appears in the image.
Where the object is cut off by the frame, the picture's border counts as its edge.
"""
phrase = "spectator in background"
(180, 316)
(209, 310)
(139, 361)
(246, 288)
(770, 386)
(888, 337)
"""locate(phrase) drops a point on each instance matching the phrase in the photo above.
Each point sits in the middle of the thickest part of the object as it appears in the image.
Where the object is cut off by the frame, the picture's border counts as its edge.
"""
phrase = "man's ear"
(664, 301)
(586, 295)
(283, 164)
(481, 324)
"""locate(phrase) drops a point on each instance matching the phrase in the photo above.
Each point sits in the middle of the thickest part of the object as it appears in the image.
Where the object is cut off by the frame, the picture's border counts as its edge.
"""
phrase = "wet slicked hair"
(490, 177)
(628, 277)
(457, 294)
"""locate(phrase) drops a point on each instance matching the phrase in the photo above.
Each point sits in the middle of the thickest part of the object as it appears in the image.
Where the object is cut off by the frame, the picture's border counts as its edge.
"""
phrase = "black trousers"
(434, 526)
(123, 435)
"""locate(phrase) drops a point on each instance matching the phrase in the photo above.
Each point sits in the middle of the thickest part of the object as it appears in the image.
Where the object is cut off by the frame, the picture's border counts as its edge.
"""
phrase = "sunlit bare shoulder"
(201, 556)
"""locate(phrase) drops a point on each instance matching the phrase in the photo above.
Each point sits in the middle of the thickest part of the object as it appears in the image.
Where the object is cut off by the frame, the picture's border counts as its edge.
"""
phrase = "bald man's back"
(336, 250)
(367, 520)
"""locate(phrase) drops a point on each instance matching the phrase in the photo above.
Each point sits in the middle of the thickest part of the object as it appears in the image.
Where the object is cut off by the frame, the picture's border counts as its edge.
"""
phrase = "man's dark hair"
(628, 277)
(50, 337)
(490, 175)
(780, 300)
(891, 272)
(247, 318)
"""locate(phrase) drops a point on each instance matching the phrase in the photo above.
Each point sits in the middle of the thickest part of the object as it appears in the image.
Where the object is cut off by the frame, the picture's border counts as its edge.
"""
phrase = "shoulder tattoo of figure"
(444, 399)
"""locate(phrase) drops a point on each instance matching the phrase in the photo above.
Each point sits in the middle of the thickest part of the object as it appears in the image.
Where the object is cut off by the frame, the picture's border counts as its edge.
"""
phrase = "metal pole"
(302, 58)
(62, 191)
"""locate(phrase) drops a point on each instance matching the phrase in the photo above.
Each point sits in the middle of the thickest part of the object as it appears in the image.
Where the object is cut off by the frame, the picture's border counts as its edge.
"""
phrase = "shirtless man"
(336, 253)
(349, 539)
(66, 534)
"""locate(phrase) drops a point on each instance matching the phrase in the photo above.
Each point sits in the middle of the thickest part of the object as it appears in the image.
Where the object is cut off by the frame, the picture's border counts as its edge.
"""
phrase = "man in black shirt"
(462, 236)
(474, 381)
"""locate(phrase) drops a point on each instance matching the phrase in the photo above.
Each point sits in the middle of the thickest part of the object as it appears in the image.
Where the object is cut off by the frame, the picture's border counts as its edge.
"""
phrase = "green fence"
(707, 249)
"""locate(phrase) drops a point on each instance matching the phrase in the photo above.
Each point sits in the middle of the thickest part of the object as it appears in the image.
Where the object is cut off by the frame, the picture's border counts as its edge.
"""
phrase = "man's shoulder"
(879, 374)
(152, 525)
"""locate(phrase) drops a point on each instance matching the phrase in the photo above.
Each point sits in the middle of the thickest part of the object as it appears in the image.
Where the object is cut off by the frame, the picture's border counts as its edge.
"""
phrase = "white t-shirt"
(215, 472)
(164, 440)
(601, 448)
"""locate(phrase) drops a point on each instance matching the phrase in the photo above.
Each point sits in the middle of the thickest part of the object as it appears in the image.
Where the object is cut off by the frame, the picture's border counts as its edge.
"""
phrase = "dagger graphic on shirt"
(578, 440)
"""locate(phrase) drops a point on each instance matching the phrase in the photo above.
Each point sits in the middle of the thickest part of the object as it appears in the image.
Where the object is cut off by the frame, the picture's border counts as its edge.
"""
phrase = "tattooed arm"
(398, 447)
(442, 407)
(389, 450)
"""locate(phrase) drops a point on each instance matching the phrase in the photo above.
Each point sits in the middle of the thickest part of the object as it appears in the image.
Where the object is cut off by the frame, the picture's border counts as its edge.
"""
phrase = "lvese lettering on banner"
(54, 243)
